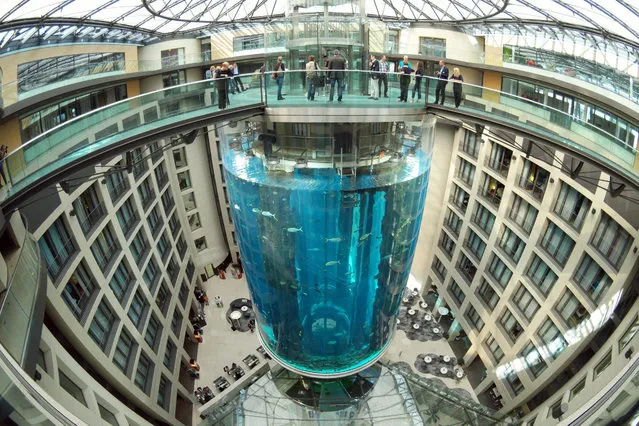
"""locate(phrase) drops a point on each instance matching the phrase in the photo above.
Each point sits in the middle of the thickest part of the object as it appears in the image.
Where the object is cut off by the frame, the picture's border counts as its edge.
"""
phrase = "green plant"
(432, 416)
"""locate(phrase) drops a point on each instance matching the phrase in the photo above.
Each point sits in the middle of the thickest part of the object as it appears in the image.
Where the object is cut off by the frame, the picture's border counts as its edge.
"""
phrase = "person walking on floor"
(405, 70)
(457, 86)
(236, 78)
(373, 67)
(419, 75)
(278, 73)
(336, 67)
(312, 77)
(383, 76)
(222, 76)
(443, 81)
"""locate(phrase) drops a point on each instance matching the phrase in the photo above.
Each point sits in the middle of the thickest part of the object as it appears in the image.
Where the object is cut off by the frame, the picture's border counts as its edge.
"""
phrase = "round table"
(428, 359)
(443, 370)
(415, 292)
(244, 308)
(423, 305)
(443, 311)
(427, 317)
(436, 330)
(405, 300)
(411, 312)
(446, 358)
(416, 326)
(459, 374)
(398, 321)
(235, 315)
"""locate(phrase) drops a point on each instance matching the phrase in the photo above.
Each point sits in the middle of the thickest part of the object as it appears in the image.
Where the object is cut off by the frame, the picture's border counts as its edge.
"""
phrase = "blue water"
(326, 258)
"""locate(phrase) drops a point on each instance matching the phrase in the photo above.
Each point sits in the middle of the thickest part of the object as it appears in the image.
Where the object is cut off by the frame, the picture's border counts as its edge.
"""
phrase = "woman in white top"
(312, 75)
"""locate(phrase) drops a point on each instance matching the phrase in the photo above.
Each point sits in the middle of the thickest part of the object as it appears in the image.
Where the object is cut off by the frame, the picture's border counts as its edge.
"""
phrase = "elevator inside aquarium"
(327, 217)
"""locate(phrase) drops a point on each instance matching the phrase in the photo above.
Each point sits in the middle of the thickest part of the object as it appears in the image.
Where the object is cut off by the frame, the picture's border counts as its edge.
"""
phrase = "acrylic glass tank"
(327, 226)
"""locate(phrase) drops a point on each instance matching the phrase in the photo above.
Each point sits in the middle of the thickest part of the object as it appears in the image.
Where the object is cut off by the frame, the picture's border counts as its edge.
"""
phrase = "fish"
(387, 257)
(333, 262)
(363, 237)
(294, 229)
(332, 342)
(333, 240)
(236, 207)
(256, 210)
(317, 291)
(269, 214)
(349, 273)
(304, 294)
(274, 192)
(315, 249)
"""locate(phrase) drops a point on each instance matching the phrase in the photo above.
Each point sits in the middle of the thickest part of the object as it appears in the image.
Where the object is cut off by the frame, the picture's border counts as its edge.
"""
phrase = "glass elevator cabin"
(327, 217)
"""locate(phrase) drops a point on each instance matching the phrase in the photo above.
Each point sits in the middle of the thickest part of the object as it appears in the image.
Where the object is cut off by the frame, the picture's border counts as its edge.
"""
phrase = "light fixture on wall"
(552, 180)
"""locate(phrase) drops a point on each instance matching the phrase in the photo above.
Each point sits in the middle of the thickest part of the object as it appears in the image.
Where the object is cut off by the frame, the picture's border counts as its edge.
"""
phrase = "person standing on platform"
(336, 67)
(441, 84)
(278, 73)
(236, 77)
(419, 75)
(457, 86)
(383, 76)
(312, 77)
(373, 67)
(405, 70)
(222, 75)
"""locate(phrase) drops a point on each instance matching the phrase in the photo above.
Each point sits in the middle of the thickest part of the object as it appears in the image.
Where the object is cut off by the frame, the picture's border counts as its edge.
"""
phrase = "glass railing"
(99, 129)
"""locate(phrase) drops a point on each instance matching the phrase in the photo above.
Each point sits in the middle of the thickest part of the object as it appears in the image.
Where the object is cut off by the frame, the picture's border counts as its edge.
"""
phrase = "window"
(557, 244)
(163, 298)
(74, 390)
(151, 275)
(439, 268)
(447, 244)
(104, 248)
(127, 217)
(184, 179)
(541, 275)
(511, 245)
(499, 159)
(174, 78)
(88, 209)
(571, 206)
(164, 247)
(576, 390)
(77, 293)
(161, 176)
(474, 319)
(570, 309)
(534, 179)
(248, 42)
(140, 165)
(200, 244)
(551, 336)
(139, 247)
(169, 355)
(167, 201)
(190, 270)
(176, 321)
(174, 224)
(483, 218)
(184, 293)
(181, 246)
(629, 334)
(143, 373)
(153, 331)
(499, 271)
(156, 151)
(430, 46)
(117, 183)
(164, 393)
(460, 198)
(453, 222)
(179, 157)
(147, 195)
(102, 324)
(466, 268)
(488, 295)
(456, 292)
(523, 214)
(123, 351)
(154, 220)
(172, 57)
(57, 248)
(494, 349)
(189, 201)
(513, 381)
(603, 364)
(172, 269)
(511, 325)
(611, 241)
(107, 415)
(592, 278)
(465, 171)
(525, 301)
(121, 281)
(194, 221)
(137, 309)
(471, 143)
(476, 245)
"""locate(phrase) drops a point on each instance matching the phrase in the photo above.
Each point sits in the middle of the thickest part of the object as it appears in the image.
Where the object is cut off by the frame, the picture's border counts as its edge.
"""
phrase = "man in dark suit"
(441, 84)
(336, 67)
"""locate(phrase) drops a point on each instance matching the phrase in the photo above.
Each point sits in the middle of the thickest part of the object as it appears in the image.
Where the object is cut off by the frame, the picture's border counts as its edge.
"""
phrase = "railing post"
(427, 91)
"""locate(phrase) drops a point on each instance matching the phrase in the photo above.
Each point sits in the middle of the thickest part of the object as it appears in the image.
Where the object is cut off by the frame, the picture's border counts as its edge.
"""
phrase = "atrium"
(284, 212)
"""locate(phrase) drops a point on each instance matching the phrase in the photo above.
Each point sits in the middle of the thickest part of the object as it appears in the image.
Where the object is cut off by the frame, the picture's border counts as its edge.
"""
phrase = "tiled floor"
(222, 346)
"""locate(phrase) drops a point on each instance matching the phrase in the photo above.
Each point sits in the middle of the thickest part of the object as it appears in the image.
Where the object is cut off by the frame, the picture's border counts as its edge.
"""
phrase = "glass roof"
(141, 21)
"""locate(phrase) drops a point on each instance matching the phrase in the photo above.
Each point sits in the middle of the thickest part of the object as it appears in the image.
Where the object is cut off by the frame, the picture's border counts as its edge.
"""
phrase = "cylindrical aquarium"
(327, 225)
